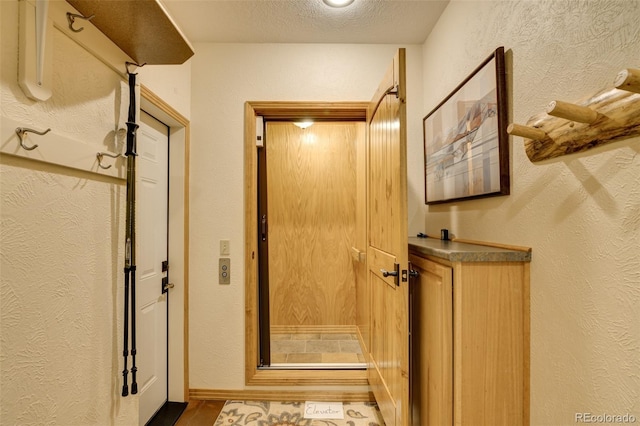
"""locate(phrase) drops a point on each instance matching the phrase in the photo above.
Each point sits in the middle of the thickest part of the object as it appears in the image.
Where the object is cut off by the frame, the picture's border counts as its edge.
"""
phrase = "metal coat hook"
(21, 134)
(127, 64)
(101, 154)
(71, 18)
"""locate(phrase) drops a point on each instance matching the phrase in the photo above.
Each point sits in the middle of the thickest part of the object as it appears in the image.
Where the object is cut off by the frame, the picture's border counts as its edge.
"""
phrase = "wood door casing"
(311, 178)
(387, 245)
(291, 111)
(363, 303)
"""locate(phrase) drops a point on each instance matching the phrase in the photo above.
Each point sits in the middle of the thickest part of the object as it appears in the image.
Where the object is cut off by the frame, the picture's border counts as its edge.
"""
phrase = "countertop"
(464, 252)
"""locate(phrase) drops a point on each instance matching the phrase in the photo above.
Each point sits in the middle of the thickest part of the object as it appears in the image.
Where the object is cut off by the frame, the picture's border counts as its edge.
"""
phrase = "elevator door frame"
(283, 111)
(265, 287)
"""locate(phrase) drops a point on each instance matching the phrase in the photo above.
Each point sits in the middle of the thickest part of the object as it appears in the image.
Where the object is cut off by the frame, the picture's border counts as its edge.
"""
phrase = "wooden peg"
(526, 131)
(572, 112)
(628, 80)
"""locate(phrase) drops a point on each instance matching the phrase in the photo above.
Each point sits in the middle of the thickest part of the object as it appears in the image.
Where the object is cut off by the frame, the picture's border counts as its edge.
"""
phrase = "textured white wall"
(224, 77)
(61, 234)
(579, 213)
(61, 298)
(172, 83)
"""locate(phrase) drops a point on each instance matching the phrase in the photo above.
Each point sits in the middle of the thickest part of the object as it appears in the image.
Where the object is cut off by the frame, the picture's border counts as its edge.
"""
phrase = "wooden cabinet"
(469, 336)
(431, 343)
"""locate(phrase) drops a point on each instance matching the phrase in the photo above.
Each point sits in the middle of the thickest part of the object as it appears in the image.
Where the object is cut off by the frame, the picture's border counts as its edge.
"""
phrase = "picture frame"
(466, 149)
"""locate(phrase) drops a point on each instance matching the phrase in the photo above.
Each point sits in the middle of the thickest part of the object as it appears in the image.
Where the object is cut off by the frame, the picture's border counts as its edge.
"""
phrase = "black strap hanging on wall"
(130, 241)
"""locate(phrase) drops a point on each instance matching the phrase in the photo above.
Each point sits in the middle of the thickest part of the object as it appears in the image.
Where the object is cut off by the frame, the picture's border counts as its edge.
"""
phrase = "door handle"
(395, 273)
(386, 273)
(166, 285)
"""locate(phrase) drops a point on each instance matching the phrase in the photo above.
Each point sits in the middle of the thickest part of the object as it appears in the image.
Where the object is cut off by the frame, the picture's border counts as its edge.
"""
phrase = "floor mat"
(268, 413)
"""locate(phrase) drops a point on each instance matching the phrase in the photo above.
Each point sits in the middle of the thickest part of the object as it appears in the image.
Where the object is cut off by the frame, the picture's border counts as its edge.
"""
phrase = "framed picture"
(466, 146)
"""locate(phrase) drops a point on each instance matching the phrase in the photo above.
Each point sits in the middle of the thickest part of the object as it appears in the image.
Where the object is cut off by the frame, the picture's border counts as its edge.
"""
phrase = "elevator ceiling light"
(303, 124)
(337, 3)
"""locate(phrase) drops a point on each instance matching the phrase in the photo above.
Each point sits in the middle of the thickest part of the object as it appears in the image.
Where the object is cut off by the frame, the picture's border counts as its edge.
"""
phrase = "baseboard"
(280, 395)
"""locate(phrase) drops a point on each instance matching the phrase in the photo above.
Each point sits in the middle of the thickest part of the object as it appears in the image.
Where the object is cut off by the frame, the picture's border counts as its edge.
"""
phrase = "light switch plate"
(225, 248)
(224, 270)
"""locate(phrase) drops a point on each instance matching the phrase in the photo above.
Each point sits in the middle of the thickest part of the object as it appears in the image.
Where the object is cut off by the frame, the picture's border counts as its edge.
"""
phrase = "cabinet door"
(431, 344)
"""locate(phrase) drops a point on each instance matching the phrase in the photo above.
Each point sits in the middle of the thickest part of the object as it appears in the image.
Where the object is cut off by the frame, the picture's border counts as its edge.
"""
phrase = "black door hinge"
(412, 272)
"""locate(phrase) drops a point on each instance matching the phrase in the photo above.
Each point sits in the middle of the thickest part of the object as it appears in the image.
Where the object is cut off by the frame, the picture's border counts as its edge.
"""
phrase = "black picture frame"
(466, 149)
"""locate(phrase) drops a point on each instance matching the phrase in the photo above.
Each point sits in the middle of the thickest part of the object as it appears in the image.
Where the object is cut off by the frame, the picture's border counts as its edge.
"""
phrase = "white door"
(151, 226)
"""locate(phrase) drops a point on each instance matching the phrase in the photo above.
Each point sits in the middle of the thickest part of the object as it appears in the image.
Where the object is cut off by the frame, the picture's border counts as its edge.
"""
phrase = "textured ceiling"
(305, 21)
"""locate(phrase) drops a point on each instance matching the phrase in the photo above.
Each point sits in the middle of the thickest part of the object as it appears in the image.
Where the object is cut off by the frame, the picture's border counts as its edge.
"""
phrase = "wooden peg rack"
(567, 128)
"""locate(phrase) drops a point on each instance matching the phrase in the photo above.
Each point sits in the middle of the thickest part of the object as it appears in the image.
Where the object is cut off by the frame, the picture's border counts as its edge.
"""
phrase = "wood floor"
(200, 413)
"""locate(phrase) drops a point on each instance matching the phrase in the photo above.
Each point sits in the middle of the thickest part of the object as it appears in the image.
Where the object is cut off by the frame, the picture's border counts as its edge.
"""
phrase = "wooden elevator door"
(311, 180)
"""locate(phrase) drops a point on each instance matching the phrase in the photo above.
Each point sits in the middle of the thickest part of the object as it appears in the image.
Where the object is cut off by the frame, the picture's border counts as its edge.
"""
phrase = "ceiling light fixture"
(337, 3)
(303, 124)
